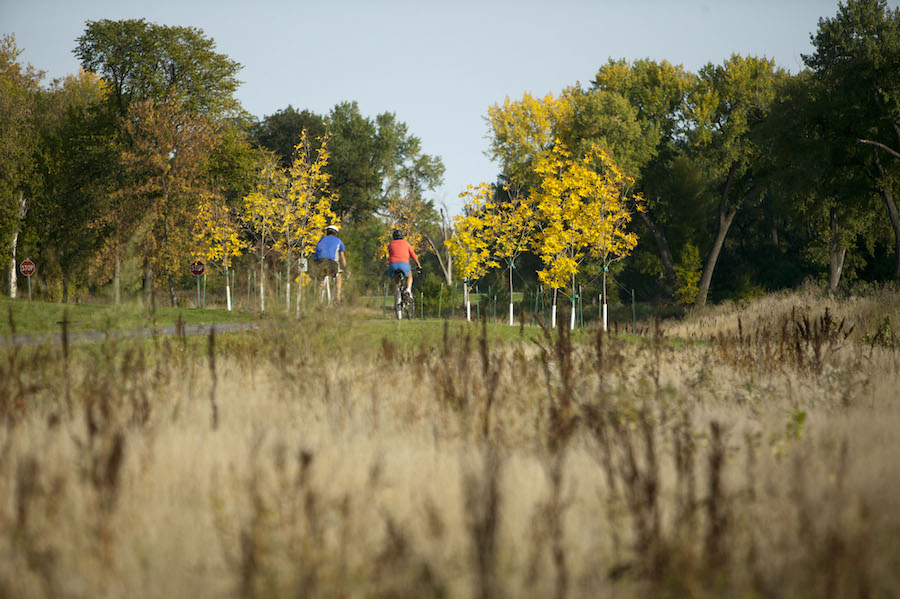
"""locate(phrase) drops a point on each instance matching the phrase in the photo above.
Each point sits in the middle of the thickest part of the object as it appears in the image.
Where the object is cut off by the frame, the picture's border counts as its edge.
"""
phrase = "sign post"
(27, 268)
(197, 269)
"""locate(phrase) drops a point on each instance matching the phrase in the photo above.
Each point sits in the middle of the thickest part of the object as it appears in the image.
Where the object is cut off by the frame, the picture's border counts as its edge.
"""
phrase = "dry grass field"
(745, 451)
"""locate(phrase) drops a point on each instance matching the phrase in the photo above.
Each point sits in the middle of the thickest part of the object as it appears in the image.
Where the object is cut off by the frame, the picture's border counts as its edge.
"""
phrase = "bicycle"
(328, 290)
(404, 304)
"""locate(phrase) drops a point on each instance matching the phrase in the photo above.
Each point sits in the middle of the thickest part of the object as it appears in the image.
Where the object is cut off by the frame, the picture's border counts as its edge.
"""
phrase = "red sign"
(197, 268)
(27, 267)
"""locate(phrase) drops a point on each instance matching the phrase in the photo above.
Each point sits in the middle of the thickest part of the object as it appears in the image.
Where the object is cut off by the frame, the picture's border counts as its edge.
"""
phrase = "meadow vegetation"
(47, 317)
(747, 449)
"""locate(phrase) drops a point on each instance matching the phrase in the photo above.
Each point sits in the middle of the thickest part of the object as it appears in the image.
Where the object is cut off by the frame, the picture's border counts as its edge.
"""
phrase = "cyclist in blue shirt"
(328, 260)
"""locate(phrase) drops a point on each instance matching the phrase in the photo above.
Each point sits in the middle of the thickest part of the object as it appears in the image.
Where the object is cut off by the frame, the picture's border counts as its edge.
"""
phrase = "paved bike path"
(188, 330)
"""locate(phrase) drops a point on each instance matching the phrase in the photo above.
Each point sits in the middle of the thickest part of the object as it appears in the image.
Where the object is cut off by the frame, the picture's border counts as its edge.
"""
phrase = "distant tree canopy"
(801, 161)
(370, 158)
(141, 61)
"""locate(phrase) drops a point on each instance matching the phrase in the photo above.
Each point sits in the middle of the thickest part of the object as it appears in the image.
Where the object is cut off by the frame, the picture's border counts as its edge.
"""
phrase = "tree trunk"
(604, 301)
(888, 196)
(665, 254)
(13, 271)
(13, 245)
(836, 255)
(262, 286)
(511, 293)
(287, 286)
(446, 266)
(726, 216)
(553, 311)
(262, 277)
(117, 277)
(572, 314)
(227, 287)
(725, 220)
(147, 279)
(467, 300)
(173, 299)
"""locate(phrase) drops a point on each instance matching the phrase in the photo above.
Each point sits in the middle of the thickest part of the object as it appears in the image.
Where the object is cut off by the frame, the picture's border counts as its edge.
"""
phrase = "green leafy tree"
(687, 273)
(823, 190)
(658, 93)
(373, 160)
(279, 132)
(855, 60)
(75, 158)
(233, 164)
(145, 61)
(730, 100)
(19, 91)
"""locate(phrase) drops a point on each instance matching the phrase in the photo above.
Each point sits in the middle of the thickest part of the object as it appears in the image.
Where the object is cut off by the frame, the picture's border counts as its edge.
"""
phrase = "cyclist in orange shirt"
(399, 253)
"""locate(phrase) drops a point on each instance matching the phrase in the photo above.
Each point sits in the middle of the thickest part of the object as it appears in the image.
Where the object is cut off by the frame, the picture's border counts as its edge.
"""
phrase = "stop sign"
(197, 268)
(27, 267)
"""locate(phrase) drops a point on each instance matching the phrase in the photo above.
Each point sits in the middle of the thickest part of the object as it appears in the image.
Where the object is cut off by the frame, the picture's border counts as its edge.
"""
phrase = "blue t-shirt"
(328, 247)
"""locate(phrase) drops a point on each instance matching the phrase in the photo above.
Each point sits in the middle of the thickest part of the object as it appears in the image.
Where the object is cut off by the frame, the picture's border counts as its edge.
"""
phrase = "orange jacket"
(399, 250)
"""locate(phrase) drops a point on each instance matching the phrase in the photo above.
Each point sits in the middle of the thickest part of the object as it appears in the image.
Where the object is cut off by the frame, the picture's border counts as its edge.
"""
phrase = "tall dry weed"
(756, 460)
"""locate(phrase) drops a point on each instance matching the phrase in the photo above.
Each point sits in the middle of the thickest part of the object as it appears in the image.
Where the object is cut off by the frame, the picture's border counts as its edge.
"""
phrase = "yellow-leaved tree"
(582, 210)
(469, 246)
(260, 214)
(217, 235)
(301, 217)
(511, 218)
(504, 219)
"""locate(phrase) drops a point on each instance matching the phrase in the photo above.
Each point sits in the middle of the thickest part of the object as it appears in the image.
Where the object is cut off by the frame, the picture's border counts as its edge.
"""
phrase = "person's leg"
(337, 286)
(409, 282)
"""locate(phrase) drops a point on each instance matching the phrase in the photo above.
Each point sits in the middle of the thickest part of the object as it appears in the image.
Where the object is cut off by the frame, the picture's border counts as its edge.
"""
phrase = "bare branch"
(881, 146)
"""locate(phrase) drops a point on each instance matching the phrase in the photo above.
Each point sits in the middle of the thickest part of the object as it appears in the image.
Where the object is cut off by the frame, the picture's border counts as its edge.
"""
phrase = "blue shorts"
(396, 267)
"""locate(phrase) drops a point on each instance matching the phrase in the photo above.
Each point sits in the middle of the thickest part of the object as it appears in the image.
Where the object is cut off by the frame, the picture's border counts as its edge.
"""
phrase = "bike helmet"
(397, 234)
(332, 229)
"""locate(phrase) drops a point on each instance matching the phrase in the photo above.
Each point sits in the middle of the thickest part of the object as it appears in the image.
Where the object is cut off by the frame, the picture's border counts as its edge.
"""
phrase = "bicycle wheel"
(409, 307)
(398, 302)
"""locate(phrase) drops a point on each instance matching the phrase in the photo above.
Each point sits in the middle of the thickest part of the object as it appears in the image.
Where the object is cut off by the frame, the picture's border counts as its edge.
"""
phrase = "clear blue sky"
(437, 65)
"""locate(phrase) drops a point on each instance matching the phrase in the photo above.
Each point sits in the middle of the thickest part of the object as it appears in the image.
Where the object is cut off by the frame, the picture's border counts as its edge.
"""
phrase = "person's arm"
(343, 259)
(412, 254)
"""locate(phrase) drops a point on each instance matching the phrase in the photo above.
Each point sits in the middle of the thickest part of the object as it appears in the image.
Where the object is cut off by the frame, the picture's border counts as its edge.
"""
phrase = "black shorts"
(324, 267)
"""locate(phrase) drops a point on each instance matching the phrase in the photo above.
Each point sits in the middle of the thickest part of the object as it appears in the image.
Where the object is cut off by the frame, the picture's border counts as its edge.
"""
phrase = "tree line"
(124, 173)
(742, 177)
(728, 182)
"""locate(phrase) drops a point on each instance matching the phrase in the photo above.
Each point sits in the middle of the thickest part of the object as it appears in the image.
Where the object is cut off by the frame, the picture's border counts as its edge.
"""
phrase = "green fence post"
(581, 304)
(478, 303)
(633, 315)
(453, 305)
(422, 305)
(531, 308)
(441, 302)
